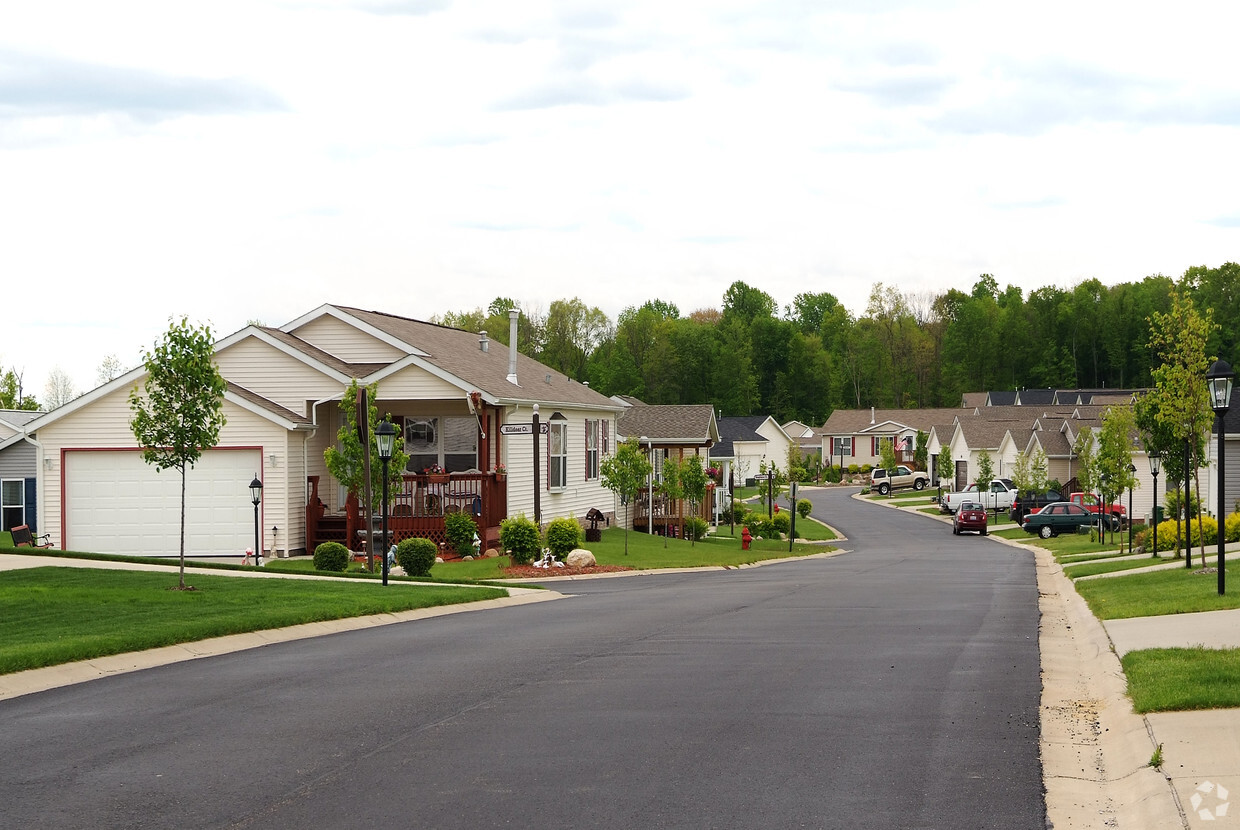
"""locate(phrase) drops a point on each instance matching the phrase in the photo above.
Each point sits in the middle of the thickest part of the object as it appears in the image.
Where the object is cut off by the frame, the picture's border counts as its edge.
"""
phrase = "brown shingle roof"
(682, 425)
(456, 352)
(270, 406)
(853, 421)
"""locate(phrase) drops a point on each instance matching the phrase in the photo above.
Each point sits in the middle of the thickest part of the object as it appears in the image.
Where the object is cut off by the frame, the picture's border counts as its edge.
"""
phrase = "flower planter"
(437, 478)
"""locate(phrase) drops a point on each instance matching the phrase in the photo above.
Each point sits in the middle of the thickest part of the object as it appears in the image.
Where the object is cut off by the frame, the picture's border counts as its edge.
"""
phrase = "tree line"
(802, 361)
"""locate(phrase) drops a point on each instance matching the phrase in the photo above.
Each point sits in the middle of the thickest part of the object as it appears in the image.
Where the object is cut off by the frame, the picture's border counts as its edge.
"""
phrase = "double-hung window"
(12, 503)
(557, 453)
(593, 429)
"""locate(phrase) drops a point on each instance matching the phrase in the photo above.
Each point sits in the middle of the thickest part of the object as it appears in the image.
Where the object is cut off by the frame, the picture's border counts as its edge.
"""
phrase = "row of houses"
(463, 404)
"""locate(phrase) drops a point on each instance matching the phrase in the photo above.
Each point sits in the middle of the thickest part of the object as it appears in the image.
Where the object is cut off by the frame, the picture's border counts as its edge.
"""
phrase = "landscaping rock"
(580, 558)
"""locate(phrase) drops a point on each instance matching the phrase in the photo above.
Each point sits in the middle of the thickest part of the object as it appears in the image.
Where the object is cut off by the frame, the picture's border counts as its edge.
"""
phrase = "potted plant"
(500, 471)
(436, 474)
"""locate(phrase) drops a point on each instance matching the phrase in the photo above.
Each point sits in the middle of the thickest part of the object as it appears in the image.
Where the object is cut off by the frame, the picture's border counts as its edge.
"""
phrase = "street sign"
(522, 429)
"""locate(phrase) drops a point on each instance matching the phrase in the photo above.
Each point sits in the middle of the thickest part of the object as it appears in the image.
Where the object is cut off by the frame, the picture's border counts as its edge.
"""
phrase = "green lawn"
(59, 615)
(1174, 591)
(1182, 679)
(1111, 565)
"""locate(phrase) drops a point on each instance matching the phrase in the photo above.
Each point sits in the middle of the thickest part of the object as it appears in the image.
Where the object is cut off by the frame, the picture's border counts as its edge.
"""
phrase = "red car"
(970, 516)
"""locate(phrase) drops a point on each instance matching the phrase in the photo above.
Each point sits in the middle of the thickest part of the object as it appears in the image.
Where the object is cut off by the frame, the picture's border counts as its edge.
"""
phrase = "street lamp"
(1220, 378)
(385, 436)
(650, 486)
(1155, 469)
(256, 496)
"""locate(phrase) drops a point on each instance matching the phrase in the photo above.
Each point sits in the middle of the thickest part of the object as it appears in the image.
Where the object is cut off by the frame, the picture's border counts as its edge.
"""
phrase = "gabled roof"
(15, 419)
(268, 409)
(1035, 397)
(796, 429)
(971, 399)
(1001, 397)
(741, 428)
(685, 425)
(858, 421)
(455, 356)
(982, 434)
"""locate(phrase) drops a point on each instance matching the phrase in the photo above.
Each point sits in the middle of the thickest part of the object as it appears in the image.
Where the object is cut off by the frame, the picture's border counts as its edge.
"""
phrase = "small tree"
(672, 489)
(624, 474)
(693, 482)
(1115, 447)
(921, 453)
(1087, 472)
(887, 452)
(985, 475)
(946, 469)
(180, 409)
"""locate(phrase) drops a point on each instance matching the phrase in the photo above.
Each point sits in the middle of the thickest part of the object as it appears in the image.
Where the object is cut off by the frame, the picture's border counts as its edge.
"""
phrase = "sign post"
(537, 476)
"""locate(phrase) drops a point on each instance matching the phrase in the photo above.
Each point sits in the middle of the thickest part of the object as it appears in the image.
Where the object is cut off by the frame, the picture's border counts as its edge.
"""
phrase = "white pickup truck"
(999, 496)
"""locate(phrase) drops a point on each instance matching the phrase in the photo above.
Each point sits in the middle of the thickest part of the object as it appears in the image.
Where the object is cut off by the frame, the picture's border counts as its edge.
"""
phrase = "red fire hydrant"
(745, 538)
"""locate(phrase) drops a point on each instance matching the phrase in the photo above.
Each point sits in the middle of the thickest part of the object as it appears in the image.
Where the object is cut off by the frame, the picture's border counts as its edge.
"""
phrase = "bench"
(23, 538)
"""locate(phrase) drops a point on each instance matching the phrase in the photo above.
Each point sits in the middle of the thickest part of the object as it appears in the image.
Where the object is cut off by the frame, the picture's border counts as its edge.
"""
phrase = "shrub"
(519, 536)
(460, 530)
(759, 524)
(331, 556)
(1231, 530)
(563, 535)
(803, 508)
(781, 522)
(416, 557)
(695, 528)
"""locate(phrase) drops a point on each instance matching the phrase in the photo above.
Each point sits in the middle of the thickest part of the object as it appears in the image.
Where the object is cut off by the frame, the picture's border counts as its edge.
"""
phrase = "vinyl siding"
(575, 499)
(19, 461)
(276, 376)
(346, 342)
(417, 383)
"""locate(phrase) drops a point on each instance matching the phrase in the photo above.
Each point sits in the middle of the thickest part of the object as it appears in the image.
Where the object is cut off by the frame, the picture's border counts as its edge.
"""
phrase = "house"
(748, 442)
(458, 402)
(18, 471)
(667, 432)
(806, 438)
(856, 436)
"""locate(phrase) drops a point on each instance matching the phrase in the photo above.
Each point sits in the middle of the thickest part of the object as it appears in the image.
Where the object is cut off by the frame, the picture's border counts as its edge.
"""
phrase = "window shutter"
(585, 457)
(852, 449)
(606, 448)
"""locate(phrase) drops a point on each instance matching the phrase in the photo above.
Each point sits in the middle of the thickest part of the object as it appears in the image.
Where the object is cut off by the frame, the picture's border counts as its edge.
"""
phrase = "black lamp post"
(1220, 378)
(1186, 506)
(256, 496)
(385, 437)
(1132, 476)
(1155, 469)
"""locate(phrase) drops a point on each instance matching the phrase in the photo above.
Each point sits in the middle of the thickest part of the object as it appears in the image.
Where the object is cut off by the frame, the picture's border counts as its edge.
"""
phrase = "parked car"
(1060, 517)
(970, 516)
(883, 484)
(1028, 503)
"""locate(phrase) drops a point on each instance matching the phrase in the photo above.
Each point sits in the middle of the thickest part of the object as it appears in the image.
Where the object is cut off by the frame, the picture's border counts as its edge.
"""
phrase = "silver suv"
(904, 477)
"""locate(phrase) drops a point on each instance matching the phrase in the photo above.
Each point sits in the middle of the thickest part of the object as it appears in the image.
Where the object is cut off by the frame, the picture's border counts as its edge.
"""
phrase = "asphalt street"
(895, 686)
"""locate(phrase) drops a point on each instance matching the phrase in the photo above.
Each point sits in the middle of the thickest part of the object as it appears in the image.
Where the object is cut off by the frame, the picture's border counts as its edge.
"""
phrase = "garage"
(116, 503)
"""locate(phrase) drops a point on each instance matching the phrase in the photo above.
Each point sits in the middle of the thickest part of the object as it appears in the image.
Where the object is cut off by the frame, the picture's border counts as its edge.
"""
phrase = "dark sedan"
(970, 516)
(1060, 517)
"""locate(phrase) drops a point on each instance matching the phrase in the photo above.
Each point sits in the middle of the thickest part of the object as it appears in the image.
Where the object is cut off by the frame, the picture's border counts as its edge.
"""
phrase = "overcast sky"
(245, 160)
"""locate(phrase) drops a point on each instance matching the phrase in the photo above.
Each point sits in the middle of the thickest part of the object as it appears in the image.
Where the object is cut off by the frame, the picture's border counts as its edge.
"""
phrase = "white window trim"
(557, 460)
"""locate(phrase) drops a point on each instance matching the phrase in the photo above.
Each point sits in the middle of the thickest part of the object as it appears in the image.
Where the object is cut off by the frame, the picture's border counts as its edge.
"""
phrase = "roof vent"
(548, 378)
(483, 343)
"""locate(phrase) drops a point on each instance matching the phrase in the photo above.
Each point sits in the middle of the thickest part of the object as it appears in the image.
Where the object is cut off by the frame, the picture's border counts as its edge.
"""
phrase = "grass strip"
(1183, 679)
(1106, 566)
(1151, 594)
(58, 615)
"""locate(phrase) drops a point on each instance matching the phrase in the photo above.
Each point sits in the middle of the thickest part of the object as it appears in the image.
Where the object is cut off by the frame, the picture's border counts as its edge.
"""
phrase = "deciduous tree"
(178, 410)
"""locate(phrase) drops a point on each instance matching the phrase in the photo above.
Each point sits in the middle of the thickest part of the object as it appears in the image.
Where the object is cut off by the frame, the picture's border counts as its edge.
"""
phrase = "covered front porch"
(454, 448)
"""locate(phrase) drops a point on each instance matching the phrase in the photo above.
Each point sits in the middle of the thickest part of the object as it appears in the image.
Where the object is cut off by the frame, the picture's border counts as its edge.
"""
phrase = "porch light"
(1219, 379)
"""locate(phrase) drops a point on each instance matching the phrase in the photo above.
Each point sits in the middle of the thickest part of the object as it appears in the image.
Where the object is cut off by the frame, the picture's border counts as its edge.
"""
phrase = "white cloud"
(247, 159)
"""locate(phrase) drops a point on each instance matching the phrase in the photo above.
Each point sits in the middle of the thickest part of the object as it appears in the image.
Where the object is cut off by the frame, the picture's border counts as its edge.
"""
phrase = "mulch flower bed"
(530, 572)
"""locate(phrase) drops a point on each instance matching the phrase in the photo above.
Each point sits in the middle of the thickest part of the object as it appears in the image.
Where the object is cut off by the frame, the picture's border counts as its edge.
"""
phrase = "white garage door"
(116, 503)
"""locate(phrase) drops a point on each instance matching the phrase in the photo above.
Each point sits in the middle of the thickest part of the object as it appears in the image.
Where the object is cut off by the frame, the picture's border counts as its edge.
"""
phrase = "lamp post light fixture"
(385, 437)
(256, 496)
(1155, 469)
(1219, 378)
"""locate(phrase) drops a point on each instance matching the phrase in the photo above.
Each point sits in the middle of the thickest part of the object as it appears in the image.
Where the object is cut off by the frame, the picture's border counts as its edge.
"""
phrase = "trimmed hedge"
(331, 556)
(519, 536)
(563, 536)
(416, 556)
